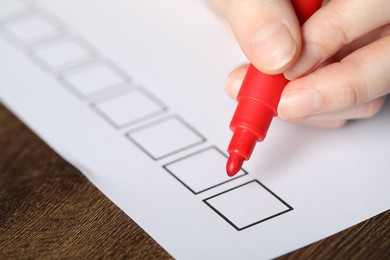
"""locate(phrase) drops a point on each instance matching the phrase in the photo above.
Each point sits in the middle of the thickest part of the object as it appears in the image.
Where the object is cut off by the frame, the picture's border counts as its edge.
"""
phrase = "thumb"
(268, 32)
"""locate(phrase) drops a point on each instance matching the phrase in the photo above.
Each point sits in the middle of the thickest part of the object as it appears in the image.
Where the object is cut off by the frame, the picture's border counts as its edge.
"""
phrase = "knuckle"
(354, 86)
(333, 35)
(349, 94)
(340, 34)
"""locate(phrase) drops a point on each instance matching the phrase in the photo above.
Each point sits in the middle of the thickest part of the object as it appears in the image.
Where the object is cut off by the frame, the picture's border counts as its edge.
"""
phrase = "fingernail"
(310, 58)
(273, 45)
(299, 103)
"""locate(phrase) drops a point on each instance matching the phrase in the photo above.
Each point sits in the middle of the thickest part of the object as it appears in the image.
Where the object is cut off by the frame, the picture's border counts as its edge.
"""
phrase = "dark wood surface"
(48, 209)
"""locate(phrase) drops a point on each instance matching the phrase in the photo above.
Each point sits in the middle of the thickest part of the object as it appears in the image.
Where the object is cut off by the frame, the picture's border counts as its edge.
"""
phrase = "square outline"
(91, 64)
(58, 26)
(90, 52)
(158, 121)
(147, 94)
(289, 208)
(195, 153)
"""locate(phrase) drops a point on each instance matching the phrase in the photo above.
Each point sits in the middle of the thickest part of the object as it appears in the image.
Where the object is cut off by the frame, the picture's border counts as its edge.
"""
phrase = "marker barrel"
(257, 100)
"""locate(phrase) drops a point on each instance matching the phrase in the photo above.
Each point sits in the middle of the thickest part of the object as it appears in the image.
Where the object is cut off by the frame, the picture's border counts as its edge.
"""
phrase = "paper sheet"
(131, 93)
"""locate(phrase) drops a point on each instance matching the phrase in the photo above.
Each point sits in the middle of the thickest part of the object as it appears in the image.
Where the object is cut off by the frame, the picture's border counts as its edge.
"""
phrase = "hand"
(338, 62)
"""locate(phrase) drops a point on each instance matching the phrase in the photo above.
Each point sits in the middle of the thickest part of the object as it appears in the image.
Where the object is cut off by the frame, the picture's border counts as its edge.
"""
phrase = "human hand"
(342, 72)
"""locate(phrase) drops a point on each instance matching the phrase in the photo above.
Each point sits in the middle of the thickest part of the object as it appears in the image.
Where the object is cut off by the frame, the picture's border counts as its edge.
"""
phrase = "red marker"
(258, 100)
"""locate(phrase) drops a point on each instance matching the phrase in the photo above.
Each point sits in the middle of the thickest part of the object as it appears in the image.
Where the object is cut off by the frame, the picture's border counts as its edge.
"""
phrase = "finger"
(268, 32)
(337, 24)
(339, 118)
(314, 122)
(360, 77)
(235, 79)
(365, 110)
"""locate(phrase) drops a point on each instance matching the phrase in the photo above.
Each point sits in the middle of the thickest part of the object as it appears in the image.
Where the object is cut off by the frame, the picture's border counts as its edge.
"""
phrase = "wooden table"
(48, 209)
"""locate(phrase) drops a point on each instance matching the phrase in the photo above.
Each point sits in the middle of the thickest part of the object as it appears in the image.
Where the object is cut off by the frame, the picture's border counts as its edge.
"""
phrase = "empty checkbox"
(93, 77)
(247, 205)
(202, 170)
(165, 137)
(60, 53)
(32, 27)
(130, 108)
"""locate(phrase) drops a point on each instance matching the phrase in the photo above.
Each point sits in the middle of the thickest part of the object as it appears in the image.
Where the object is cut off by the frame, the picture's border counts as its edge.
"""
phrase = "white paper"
(138, 106)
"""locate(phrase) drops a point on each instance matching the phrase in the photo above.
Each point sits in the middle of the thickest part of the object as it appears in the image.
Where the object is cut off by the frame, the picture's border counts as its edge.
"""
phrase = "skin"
(338, 61)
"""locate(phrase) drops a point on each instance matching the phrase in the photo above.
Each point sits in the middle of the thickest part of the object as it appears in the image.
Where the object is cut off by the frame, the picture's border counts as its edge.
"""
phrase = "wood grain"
(48, 209)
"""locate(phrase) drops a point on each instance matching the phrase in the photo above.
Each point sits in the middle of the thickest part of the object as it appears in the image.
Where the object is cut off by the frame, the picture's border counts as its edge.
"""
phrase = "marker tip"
(234, 164)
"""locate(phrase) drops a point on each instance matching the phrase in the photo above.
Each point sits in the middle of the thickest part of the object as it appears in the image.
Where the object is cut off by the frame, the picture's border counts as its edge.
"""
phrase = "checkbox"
(32, 27)
(247, 205)
(130, 108)
(165, 137)
(60, 53)
(93, 77)
(11, 7)
(202, 170)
